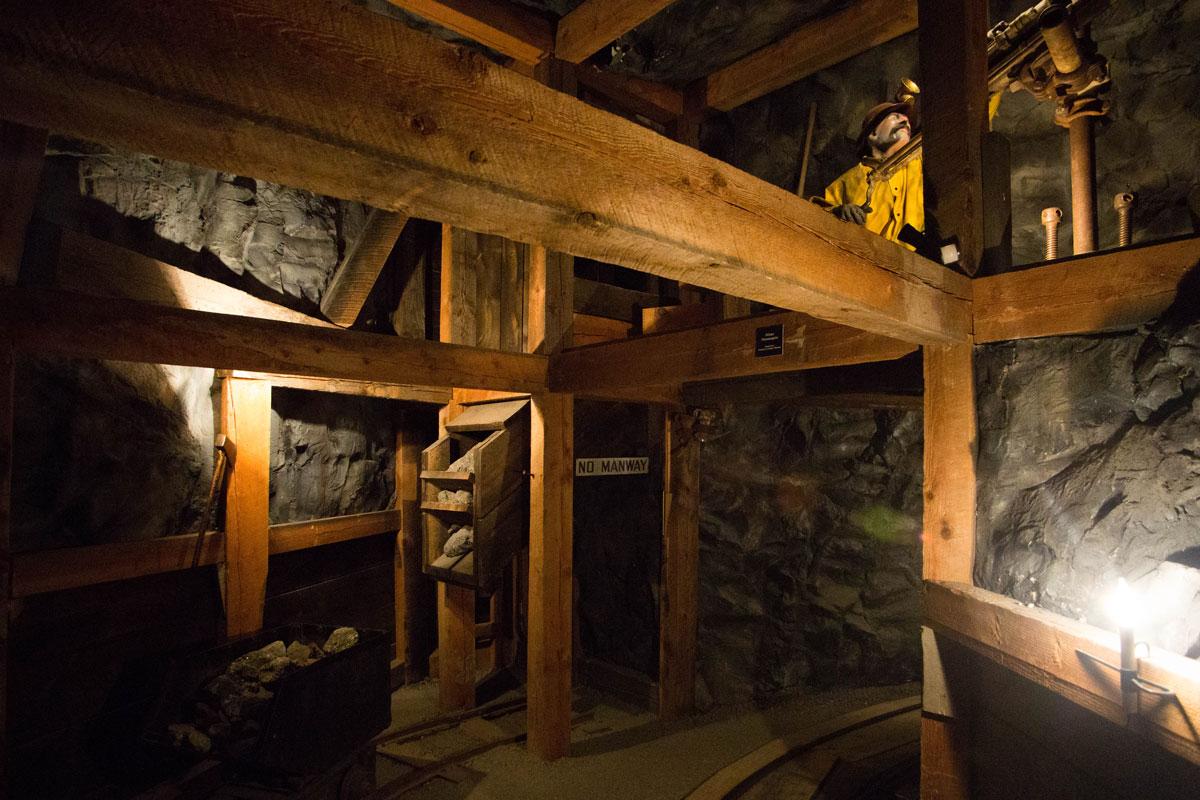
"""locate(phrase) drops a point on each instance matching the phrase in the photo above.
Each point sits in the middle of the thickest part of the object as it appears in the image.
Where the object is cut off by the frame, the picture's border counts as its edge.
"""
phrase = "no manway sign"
(591, 467)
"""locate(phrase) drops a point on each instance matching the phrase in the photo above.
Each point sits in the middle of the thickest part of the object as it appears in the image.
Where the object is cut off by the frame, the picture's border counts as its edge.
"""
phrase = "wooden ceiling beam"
(596, 23)
(810, 48)
(358, 271)
(505, 27)
(390, 116)
(655, 101)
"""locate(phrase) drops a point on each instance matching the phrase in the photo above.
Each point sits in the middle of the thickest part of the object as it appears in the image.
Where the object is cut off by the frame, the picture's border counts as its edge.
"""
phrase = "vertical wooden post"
(680, 568)
(407, 558)
(548, 685)
(247, 422)
(950, 431)
(22, 151)
(7, 385)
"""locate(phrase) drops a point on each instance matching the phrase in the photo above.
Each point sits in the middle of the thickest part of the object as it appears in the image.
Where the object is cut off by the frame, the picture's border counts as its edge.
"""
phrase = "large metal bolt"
(1123, 203)
(1050, 219)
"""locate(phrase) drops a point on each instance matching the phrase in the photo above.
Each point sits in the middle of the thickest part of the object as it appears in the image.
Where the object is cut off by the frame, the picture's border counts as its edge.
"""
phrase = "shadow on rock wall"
(810, 561)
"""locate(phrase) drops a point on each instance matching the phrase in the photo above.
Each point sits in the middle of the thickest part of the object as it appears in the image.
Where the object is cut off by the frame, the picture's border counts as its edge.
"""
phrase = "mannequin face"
(892, 133)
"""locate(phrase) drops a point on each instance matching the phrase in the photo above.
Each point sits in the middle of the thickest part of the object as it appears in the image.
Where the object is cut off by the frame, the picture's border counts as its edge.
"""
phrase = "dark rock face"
(810, 561)
(1089, 471)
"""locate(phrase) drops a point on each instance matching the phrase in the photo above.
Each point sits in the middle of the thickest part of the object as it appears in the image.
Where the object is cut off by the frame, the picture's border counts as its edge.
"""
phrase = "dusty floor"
(618, 752)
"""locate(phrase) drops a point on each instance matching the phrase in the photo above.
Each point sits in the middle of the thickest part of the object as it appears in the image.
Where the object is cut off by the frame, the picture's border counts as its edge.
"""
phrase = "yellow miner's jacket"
(895, 202)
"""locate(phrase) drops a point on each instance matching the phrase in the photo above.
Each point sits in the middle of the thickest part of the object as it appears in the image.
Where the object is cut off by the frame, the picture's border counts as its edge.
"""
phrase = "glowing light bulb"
(1125, 606)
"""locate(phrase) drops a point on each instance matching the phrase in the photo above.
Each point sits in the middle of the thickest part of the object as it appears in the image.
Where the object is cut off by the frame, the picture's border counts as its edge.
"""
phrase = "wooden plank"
(664, 319)
(945, 772)
(433, 395)
(71, 567)
(408, 578)
(22, 151)
(247, 423)
(595, 23)
(680, 568)
(65, 324)
(1042, 647)
(94, 267)
(655, 101)
(550, 298)
(950, 433)
(614, 302)
(723, 350)
(587, 329)
(378, 112)
(810, 48)
(1105, 292)
(289, 536)
(505, 27)
(456, 647)
(460, 257)
(355, 276)
(548, 683)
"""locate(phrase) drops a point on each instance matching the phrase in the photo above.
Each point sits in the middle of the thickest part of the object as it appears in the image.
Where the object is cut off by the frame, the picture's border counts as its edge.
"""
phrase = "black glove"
(850, 212)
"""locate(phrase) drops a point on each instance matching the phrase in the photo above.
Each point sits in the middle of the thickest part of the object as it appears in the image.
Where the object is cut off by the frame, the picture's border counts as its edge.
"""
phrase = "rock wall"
(809, 559)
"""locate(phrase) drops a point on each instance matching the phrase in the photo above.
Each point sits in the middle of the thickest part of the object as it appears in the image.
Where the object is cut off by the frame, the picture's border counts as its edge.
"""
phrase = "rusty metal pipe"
(1123, 203)
(1050, 219)
(1055, 24)
(1083, 184)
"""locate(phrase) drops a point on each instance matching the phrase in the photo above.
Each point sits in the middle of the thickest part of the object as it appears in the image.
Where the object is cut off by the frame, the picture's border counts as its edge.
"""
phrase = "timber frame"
(680, 215)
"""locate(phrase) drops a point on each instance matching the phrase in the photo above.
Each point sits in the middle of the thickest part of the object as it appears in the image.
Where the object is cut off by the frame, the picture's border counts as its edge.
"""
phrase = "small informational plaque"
(768, 341)
(597, 467)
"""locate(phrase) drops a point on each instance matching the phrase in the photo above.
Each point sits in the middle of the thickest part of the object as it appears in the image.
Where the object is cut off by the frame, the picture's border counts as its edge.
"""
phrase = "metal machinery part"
(1123, 204)
(1050, 220)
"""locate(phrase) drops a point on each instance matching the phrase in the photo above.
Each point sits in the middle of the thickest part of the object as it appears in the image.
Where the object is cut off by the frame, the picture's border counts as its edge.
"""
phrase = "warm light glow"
(1125, 606)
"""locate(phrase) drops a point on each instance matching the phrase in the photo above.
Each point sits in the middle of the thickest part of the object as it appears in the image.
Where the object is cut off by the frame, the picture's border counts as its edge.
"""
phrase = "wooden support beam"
(7, 386)
(385, 391)
(1043, 647)
(408, 576)
(1105, 292)
(723, 350)
(22, 151)
(680, 568)
(456, 647)
(355, 276)
(505, 27)
(287, 537)
(596, 23)
(65, 324)
(586, 329)
(247, 422)
(378, 112)
(655, 101)
(550, 281)
(548, 684)
(810, 48)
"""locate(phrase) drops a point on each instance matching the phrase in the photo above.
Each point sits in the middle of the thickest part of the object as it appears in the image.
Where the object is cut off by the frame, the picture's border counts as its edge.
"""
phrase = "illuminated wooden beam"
(505, 27)
(290, 536)
(372, 110)
(385, 391)
(355, 276)
(595, 23)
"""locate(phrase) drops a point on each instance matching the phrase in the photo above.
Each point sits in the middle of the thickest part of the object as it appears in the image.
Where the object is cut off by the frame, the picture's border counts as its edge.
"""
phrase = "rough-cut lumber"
(408, 577)
(456, 647)
(680, 568)
(1105, 292)
(587, 329)
(548, 683)
(595, 23)
(501, 25)
(246, 420)
(72, 567)
(614, 302)
(91, 266)
(655, 101)
(288, 536)
(385, 391)
(664, 319)
(549, 299)
(950, 432)
(22, 151)
(1041, 647)
(812, 47)
(356, 275)
(374, 111)
(723, 350)
(66, 324)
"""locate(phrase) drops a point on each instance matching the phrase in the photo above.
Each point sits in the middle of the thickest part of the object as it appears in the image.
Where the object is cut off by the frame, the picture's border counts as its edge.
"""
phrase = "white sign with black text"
(593, 467)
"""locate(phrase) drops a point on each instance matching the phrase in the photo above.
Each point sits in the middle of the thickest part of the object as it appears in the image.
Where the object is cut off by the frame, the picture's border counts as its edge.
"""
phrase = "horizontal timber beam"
(375, 111)
(1041, 647)
(1117, 290)
(384, 391)
(714, 352)
(501, 25)
(595, 23)
(810, 48)
(289, 536)
(655, 101)
(75, 326)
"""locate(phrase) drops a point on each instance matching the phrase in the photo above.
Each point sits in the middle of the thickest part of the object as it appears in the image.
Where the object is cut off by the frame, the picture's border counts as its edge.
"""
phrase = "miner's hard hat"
(876, 115)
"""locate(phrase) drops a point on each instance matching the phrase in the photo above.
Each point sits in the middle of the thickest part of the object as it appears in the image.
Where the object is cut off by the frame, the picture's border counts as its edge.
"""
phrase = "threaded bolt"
(1123, 203)
(1050, 219)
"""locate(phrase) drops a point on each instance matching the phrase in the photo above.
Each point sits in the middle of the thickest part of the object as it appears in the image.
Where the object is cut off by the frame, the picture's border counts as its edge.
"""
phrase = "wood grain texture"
(505, 27)
(289, 536)
(810, 48)
(22, 151)
(61, 323)
(595, 23)
(723, 350)
(950, 446)
(656, 101)
(548, 684)
(1042, 647)
(680, 595)
(355, 276)
(343, 102)
(550, 299)
(247, 423)
(386, 391)
(1105, 292)
(456, 647)
(409, 603)
(945, 768)
(587, 329)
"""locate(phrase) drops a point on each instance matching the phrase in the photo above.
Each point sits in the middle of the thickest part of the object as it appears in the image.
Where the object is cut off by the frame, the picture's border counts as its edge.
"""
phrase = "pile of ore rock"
(231, 709)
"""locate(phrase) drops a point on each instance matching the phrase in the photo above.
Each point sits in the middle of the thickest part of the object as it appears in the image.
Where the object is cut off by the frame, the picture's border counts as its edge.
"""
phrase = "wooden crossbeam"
(1109, 291)
(595, 23)
(655, 101)
(385, 391)
(355, 276)
(723, 350)
(378, 112)
(810, 48)
(75, 326)
(290, 536)
(1042, 647)
(503, 26)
